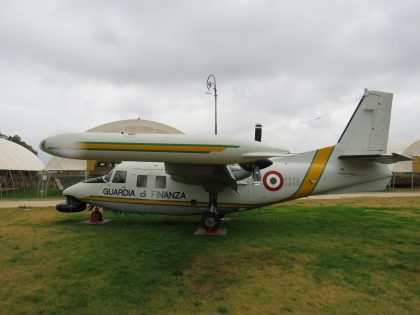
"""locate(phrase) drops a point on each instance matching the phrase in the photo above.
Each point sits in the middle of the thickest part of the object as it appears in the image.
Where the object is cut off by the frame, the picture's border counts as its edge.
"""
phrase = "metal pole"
(209, 85)
(412, 180)
(13, 183)
(215, 108)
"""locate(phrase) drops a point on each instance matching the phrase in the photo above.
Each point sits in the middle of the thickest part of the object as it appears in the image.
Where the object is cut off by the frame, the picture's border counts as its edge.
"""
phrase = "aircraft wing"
(167, 148)
(381, 158)
(198, 160)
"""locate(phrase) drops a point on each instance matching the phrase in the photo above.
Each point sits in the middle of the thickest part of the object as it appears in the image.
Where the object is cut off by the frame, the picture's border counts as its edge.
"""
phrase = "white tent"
(19, 168)
(413, 166)
(407, 173)
(14, 157)
(63, 164)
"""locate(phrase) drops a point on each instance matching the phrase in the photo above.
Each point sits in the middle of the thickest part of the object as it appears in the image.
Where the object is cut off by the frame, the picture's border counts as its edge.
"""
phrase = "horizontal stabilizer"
(381, 158)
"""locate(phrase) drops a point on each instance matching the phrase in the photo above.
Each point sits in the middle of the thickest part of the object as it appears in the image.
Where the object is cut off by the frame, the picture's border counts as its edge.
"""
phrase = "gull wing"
(167, 148)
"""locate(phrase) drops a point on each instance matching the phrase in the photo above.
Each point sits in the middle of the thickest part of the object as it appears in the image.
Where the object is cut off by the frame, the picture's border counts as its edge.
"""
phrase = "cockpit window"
(119, 177)
(107, 177)
(96, 180)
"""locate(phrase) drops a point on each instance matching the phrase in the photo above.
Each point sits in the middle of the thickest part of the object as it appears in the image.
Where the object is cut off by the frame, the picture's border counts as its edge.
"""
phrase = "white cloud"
(68, 66)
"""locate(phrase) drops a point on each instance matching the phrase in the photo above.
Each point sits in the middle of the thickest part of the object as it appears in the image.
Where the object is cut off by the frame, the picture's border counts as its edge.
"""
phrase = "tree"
(18, 140)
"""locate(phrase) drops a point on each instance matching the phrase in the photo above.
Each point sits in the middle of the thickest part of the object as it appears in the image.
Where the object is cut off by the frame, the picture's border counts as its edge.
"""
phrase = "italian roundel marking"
(273, 180)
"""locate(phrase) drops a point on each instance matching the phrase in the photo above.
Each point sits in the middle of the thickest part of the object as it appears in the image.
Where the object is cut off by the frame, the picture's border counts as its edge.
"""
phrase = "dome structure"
(135, 126)
(407, 173)
(15, 157)
(413, 166)
(19, 169)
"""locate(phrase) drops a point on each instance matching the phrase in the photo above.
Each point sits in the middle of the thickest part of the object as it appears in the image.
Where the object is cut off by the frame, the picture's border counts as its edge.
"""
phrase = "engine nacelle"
(260, 164)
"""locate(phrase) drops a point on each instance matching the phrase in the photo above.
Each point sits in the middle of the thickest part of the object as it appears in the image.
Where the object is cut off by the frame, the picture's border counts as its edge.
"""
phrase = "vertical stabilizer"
(367, 131)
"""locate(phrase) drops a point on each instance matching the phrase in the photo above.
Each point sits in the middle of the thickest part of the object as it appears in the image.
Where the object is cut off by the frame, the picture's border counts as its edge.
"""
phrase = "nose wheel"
(96, 216)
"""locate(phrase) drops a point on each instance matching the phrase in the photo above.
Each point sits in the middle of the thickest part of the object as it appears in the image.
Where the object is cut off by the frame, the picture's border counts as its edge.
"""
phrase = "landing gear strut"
(96, 216)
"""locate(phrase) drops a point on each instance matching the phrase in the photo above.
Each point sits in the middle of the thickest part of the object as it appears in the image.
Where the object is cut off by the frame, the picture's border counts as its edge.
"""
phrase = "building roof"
(413, 166)
(62, 164)
(16, 157)
(127, 126)
(135, 126)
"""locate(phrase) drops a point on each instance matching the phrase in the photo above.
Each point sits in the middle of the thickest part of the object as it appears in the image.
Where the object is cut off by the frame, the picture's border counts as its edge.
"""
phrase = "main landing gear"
(211, 220)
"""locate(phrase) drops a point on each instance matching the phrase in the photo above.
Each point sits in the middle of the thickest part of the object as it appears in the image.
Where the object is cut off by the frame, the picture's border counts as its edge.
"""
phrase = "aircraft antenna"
(313, 120)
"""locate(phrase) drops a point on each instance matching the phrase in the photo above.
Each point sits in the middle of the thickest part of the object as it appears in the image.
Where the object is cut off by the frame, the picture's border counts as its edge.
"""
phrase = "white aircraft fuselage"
(297, 176)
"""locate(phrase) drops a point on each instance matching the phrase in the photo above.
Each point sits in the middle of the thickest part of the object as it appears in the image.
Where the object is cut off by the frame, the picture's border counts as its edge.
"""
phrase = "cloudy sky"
(297, 67)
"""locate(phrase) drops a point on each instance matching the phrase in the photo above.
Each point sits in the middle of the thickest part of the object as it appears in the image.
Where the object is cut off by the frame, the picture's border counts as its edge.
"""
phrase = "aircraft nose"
(76, 191)
(70, 191)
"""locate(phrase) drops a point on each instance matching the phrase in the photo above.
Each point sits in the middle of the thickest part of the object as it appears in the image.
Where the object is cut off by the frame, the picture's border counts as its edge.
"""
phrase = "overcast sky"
(297, 67)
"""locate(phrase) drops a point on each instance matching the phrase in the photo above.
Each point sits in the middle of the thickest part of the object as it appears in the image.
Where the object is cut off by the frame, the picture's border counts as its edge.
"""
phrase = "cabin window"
(141, 180)
(107, 177)
(119, 177)
(160, 182)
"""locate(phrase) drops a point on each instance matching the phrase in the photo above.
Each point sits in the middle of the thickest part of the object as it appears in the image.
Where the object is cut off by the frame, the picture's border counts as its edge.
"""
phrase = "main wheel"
(210, 221)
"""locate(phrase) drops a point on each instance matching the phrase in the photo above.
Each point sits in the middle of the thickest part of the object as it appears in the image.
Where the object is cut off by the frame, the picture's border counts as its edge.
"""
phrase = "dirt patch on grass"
(264, 288)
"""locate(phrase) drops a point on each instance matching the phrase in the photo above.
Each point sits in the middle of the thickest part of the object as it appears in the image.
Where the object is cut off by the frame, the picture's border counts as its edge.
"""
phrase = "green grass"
(313, 257)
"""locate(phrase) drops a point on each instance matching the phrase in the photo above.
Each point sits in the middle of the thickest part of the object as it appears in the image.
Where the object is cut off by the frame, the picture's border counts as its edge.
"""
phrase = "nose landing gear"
(96, 216)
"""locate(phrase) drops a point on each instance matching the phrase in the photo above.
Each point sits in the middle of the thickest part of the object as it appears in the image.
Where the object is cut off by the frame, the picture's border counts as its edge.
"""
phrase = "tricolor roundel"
(273, 180)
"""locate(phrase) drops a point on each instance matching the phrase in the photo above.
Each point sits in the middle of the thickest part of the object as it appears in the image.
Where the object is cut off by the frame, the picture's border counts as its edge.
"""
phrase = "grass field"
(354, 256)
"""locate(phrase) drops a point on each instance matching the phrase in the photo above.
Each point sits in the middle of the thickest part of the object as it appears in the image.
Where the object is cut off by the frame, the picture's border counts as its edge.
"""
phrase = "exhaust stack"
(258, 132)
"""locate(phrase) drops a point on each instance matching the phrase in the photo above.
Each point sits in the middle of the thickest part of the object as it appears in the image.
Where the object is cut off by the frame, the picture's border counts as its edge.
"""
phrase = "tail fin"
(367, 131)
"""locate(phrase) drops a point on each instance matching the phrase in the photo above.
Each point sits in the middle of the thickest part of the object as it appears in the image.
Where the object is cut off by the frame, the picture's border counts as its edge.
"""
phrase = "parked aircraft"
(216, 175)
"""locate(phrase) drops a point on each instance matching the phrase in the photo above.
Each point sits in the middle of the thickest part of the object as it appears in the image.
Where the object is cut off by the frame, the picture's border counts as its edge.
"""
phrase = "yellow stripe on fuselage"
(136, 201)
(147, 147)
(314, 173)
(182, 203)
